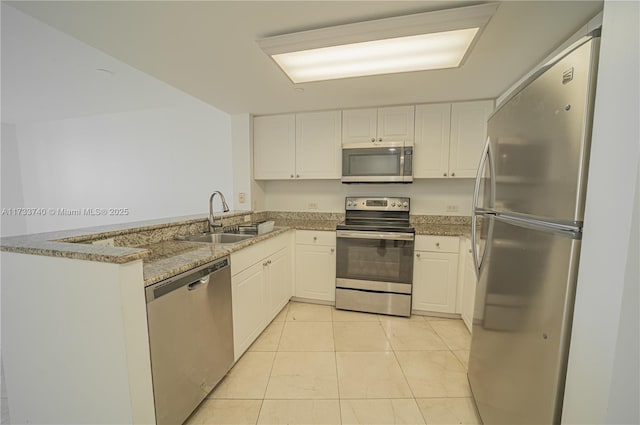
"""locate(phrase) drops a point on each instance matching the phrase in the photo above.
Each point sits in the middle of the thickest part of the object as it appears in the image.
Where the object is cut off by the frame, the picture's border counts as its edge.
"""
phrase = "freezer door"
(521, 324)
(540, 141)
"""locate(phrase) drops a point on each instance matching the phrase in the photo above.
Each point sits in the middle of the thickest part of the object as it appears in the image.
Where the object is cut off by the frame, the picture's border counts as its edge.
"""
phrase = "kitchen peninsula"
(75, 334)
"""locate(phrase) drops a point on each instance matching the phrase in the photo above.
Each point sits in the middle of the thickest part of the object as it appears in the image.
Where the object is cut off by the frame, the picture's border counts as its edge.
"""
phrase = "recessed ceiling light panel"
(432, 40)
(401, 54)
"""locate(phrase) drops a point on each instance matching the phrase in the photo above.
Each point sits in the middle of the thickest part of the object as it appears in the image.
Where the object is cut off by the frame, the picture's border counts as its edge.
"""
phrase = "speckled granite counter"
(169, 258)
(442, 225)
(128, 238)
(443, 229)
(154, 241)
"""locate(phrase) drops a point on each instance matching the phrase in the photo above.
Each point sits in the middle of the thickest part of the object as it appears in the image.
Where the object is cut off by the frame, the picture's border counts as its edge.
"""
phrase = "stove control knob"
(393, 204)
(406, 204)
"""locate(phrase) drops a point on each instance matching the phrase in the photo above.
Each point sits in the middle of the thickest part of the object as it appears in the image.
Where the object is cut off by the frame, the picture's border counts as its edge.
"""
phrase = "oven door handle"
(393, 236)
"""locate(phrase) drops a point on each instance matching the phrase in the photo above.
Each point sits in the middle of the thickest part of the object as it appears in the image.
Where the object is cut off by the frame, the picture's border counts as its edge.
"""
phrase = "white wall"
(242, 160)
(75, 348)
(11, 180)
(430, 196)
(82, 138)
(602, 377)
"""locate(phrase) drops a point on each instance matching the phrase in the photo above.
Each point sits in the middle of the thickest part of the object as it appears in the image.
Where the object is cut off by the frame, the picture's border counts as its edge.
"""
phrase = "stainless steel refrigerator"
(527, 227)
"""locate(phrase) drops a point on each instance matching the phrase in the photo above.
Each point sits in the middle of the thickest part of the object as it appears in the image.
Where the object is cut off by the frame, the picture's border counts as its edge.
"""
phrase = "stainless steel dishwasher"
(191, 338)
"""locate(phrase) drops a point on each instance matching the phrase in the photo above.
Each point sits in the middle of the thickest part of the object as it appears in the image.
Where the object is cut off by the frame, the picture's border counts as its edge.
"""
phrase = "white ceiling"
(208, 48)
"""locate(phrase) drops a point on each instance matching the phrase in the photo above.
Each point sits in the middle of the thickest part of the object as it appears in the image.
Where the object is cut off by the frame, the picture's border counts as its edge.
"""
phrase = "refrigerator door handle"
(473, 244)
(476, 190)
(486, 153)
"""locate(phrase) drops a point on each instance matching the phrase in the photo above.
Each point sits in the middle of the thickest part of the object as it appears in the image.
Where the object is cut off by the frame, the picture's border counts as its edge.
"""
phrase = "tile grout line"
(273, 362)
(335, 356)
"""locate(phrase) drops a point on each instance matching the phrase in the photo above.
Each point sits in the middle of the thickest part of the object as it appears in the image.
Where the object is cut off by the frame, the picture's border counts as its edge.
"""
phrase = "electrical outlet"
(452, 208)
(313, 205)
(247, 218)
(242, 197)
(104, 242)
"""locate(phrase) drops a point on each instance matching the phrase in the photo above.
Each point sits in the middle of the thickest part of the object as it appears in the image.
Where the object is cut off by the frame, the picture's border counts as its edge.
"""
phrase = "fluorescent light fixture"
(432, 40)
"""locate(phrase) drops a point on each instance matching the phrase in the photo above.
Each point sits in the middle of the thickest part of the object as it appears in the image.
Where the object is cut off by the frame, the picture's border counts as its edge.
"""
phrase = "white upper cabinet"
(431, 152)
(297, 146)
(396, 123)
(274, 141)
(359, 125)
(390, 124)
(450, 138)
(468, 136)
(318, 148)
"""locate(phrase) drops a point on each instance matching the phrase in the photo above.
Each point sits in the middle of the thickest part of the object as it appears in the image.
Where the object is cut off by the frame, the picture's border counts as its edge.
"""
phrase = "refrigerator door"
(540, 141)
(522, 322)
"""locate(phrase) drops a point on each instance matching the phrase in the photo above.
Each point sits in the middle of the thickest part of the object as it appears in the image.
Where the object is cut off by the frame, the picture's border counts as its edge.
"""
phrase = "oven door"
(380, 162)
(374, 260)
(374, 272)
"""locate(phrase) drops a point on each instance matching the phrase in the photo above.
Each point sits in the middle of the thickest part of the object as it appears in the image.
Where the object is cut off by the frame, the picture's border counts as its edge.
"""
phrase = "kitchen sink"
(218, 238)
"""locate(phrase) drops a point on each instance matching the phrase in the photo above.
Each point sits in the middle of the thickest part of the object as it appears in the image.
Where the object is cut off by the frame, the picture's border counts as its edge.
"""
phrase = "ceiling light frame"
(401, 26)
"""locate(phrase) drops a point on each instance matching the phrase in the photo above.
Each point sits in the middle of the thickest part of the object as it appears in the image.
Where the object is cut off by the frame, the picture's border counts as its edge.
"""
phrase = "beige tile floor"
(318, 365)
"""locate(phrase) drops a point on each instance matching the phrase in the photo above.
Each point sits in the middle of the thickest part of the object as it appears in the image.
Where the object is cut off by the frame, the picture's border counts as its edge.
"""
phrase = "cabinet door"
(468, 291)
(431, 152)
(318, 145)
(434, 281)
(278, 282)
(316, 272)
(274, 139)
(468, 136)
(359, 125)
(249, 312)
(396, 123)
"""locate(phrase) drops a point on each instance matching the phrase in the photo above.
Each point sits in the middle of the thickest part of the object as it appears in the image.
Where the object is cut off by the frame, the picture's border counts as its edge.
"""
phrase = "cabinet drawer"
(246, 257)
(276, 243)
(437, 243)
(313, 237)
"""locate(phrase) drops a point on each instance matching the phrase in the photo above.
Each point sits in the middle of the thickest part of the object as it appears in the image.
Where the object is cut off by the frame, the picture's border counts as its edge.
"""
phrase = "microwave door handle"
(402, 162)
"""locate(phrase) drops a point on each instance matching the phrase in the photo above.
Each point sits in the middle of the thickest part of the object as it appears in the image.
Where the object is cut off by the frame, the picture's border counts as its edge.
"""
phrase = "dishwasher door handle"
(198, 283)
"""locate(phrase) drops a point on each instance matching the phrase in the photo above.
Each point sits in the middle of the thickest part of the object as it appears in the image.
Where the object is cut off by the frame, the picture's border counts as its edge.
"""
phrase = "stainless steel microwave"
(384, 162)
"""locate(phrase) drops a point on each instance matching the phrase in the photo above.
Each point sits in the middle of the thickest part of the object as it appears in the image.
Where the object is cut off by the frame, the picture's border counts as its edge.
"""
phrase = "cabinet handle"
(269, 262)
(380, 139)
(453, 174)
(297, 176)
(418, 255)
(438, 244)
(265, 264)
(469, 251)
(333, 249)
(315, 238)
(291, 175)
(445, 174)
(373, 139)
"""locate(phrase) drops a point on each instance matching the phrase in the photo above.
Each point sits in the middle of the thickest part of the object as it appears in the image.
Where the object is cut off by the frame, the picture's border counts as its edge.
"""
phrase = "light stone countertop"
(154, 241)
(76, 243)
(443, 229)
(170, 258)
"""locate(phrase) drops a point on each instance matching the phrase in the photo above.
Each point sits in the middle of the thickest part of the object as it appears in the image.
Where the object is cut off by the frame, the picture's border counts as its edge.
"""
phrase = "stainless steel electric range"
(374, 256)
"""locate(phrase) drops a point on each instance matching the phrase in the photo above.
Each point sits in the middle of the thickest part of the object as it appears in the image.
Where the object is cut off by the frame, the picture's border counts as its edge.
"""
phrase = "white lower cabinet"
(279, 285)
(315, 265)
(468, 287)
(435, 274)
(261, 285)
(249, 310)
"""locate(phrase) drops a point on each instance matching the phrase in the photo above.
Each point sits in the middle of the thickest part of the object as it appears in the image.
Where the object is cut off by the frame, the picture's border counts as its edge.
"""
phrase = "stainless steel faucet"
(225, 208)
